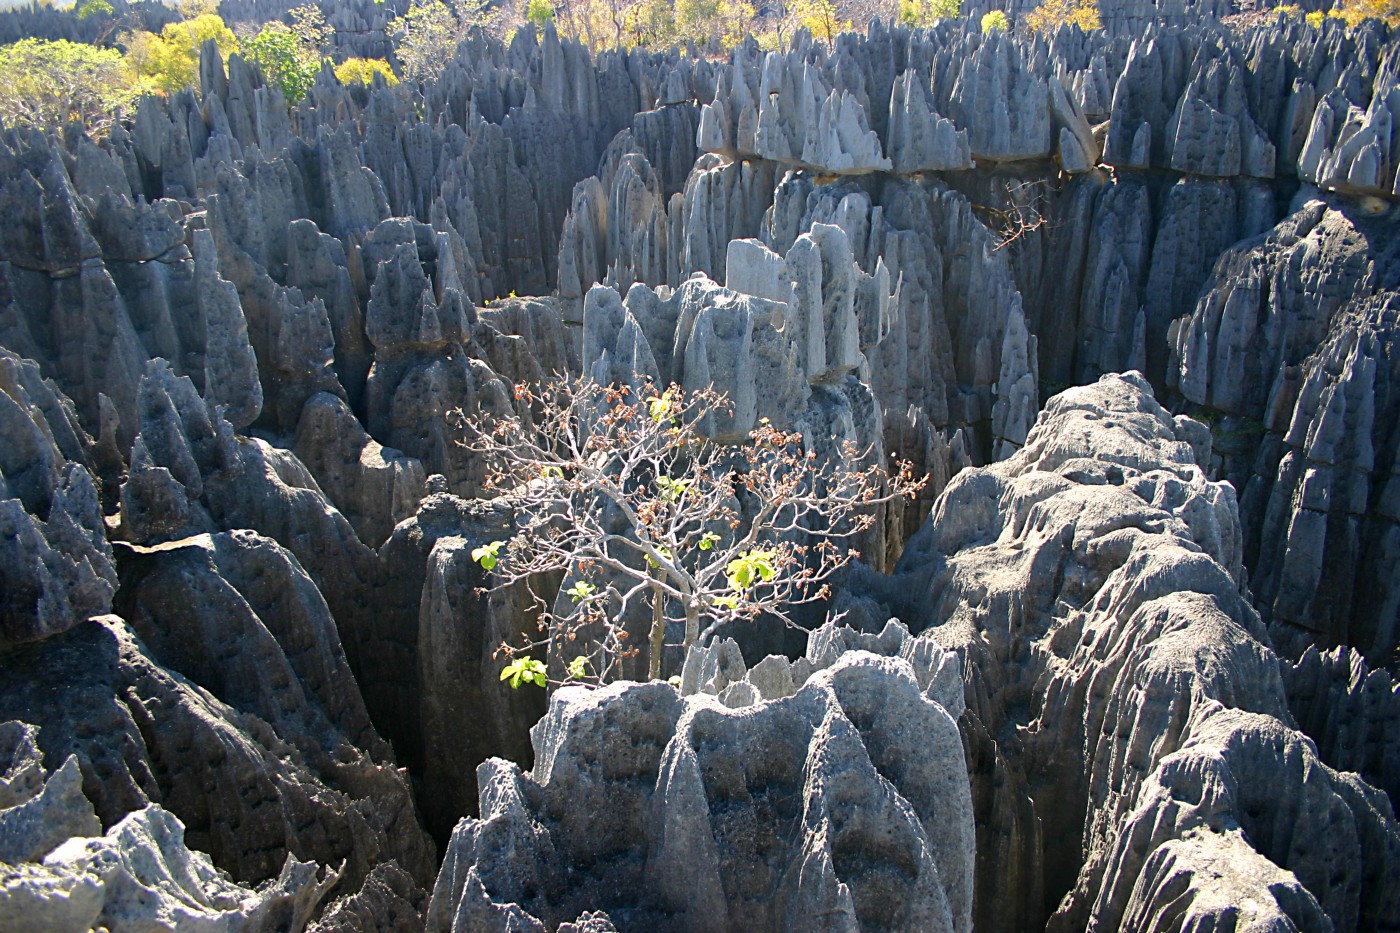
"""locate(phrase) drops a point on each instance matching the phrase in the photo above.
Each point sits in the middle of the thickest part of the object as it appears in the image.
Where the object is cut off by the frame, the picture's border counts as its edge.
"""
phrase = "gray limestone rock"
(374, 487)
(55, 562)
(423, 369)
(1001, 103)
(465, 715)
(35, 827)
(803, 121)
(388, 900)
(239, 783)
(693, 828)
(58, 871)
(1348, 709)
(1350, 148)
(1289, 346)
(310, 273)
(1101, 556)
(236, 614)
(141, 876)
(713, 669)
(920, 140)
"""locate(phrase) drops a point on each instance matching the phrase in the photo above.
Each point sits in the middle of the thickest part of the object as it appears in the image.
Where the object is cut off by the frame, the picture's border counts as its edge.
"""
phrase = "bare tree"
(1024, 211)
(621, 489)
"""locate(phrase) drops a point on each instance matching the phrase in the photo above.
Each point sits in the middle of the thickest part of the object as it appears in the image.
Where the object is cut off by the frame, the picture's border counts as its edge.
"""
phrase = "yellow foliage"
(1052, 14)
(46, 83)
(820, 18)
(650, 24)
(1356, 12)
(995, 21)
(1315, 18)
(924, 13)
(363, 70)
(595, 23)
(170, 61)
(713, 25)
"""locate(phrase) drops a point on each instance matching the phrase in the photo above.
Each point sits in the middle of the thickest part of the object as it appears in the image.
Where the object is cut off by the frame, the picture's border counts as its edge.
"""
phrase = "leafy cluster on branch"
(290, 56)
(620, 490)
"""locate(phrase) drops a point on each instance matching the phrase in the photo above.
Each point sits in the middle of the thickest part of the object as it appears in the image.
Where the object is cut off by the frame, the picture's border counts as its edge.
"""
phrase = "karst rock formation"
(1130, 299)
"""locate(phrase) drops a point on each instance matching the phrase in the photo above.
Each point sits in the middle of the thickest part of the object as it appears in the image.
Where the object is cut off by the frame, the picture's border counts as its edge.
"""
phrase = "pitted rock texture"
(249, 790)
(856, 813)
(60, 872)
(1291, 351)
(1094, 584)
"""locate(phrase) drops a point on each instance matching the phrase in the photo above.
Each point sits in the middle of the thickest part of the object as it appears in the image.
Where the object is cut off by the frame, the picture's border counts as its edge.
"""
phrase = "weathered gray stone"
(838, 797)
(920, 140)
(374, 487)
(140, 875)
(1103, 542)
(55, 562)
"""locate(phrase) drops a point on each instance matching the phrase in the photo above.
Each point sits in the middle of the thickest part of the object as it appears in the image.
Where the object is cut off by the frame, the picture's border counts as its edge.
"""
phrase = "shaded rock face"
(857, 808)
(236, 615)
(61, 872)
(1310, 432)
(55, 562)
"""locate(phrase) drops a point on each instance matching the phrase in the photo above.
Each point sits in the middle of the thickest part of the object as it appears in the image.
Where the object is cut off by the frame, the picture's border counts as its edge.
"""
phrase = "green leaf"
(672, 489)
(708, 540)
(577, 666)
(659, 406)
(665, 553)
(581, 591)
(524, 670)
(488, 555)
(95, 8)
(750, 568)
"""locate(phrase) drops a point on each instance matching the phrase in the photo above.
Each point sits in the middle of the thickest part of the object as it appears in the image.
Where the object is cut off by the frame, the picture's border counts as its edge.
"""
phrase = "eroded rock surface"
(855, 812)
(1094, 584)
(263, 316)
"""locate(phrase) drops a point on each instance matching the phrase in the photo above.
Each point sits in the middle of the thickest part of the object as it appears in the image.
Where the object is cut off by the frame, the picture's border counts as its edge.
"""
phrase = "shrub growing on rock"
(363, 70)
(995, 21)
(621, 489)
(1052, 14)
(169, 62)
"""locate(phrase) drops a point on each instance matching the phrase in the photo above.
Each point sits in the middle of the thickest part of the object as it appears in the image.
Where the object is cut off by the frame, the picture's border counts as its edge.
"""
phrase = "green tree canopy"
(49, 83)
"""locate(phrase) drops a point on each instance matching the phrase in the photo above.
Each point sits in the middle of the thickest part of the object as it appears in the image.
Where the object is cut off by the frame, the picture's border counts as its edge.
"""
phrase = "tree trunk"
(692, 624)
(658, 632)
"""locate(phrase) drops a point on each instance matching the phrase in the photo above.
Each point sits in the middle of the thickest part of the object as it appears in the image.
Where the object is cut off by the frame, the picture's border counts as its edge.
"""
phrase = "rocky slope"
(1133, 757)
(241, 630)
